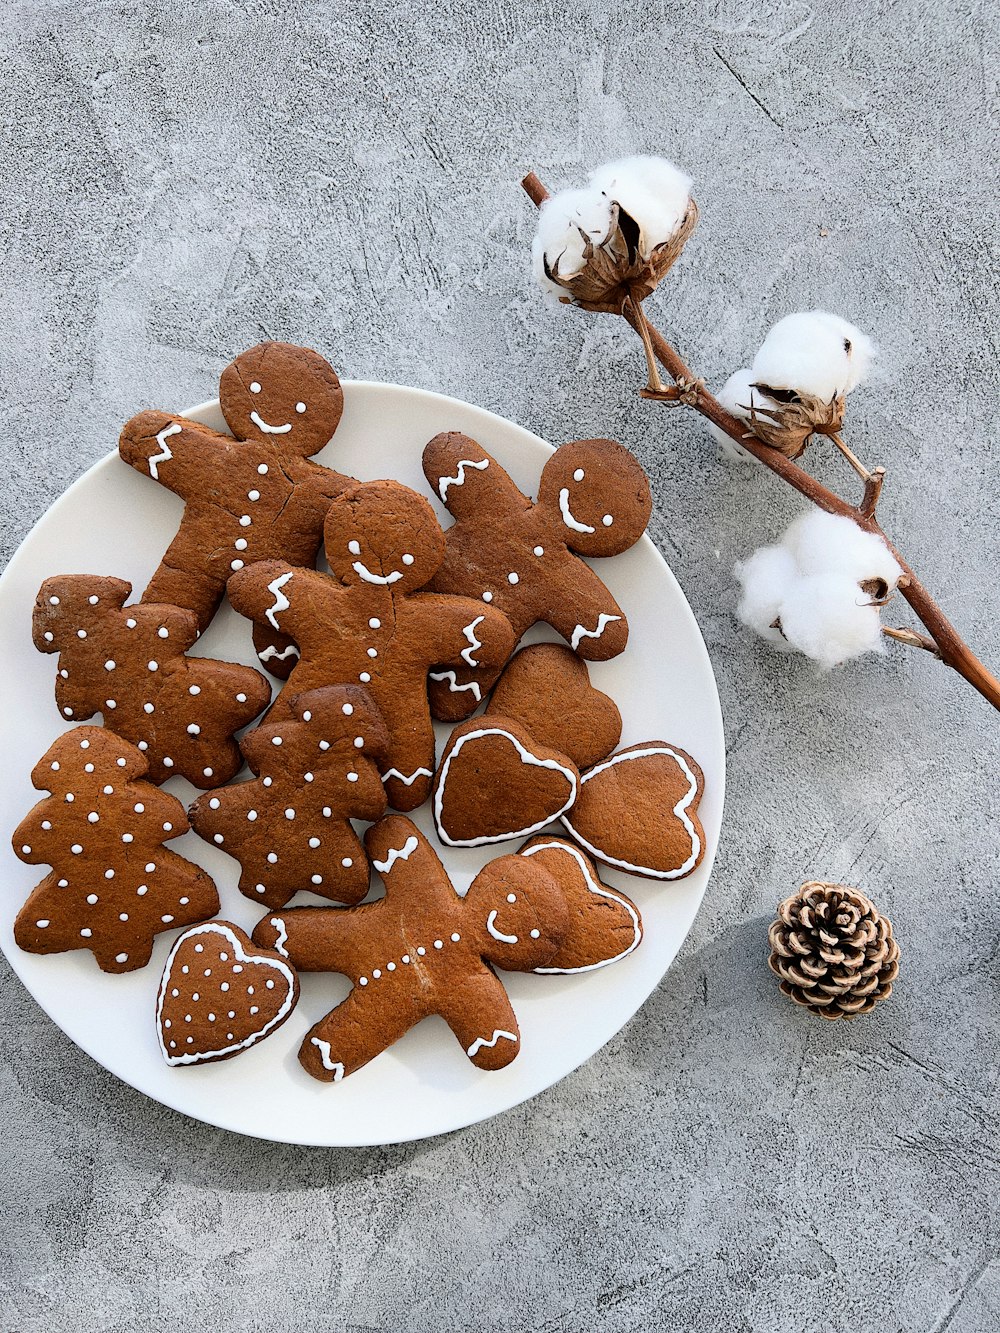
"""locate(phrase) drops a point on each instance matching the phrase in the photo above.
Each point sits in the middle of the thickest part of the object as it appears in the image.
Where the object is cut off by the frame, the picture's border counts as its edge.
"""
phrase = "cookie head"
(69, 603)
(600, 494)
(285, 395)
(519, 912)
(382, 534)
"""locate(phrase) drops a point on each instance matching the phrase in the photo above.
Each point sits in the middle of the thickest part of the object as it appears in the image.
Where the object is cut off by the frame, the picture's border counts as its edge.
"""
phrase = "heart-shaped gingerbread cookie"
(496, 782)
(638, 811)
(547, 688)
(221, 994)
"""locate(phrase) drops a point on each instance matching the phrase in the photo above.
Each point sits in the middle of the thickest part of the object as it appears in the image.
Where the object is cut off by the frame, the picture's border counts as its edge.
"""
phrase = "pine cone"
(833, 950)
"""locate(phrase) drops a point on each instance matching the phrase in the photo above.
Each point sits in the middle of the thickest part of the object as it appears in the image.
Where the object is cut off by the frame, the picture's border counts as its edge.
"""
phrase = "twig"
(944, 641)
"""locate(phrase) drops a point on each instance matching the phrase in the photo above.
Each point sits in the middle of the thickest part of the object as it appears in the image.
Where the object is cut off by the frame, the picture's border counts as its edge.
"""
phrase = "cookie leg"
(365, 1025)
(277, 652)
(480, 1015)
(456, 692)
(180, 581)
(409, 769)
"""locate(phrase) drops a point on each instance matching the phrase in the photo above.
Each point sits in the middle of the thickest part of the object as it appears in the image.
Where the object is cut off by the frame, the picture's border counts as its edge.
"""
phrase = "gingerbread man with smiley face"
(255, 495)
(369, 623)
(523, 558)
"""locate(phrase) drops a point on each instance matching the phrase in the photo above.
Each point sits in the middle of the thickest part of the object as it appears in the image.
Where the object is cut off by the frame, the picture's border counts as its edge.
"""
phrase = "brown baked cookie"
(523, 557)
(220, 995)
(368, 623)
(290, 827)
(252, 496)
(604, 925)
(113, 886)
(422, 950)
(129, 663)
(546, 688)
(495, 782)
(638, 811)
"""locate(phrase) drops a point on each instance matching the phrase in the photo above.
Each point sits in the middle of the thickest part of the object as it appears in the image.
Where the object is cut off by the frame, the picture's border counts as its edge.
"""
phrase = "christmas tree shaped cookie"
(113, 886)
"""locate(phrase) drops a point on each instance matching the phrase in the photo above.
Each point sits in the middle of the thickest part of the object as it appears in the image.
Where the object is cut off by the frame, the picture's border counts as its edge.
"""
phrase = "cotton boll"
(736, 395)
(830, 543)
(565, 222)
(768, 576)
(827, 617)
(813, 352)
(653, 192)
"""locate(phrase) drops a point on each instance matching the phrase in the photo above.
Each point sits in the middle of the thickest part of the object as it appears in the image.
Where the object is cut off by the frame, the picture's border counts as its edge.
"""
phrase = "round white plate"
(114, 521)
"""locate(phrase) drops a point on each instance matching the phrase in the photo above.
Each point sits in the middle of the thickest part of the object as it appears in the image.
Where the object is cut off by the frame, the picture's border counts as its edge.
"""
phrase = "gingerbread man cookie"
(113, 886)
(422, 950)
(129, 663)
(524, 557)
(290, 827)
(251, 496)
(369, 623)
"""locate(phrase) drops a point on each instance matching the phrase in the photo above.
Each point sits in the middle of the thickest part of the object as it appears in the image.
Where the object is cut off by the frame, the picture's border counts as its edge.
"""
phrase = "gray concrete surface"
(181, 180)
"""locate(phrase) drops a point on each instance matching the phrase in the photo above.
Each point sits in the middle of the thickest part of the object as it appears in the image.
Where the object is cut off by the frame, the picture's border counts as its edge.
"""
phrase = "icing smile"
(272, 430)
(567, 513)
(498, 934)
(369, 577)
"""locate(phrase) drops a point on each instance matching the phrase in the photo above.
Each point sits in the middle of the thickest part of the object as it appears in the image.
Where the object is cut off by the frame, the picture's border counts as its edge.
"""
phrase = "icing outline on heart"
(602, 891)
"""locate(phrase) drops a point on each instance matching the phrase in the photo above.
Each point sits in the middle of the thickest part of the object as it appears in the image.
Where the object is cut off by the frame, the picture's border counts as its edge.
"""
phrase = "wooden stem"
(944, 641)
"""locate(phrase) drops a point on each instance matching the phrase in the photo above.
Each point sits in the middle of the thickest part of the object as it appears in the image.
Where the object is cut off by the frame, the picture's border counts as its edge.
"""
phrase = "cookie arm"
(271, 593)
(479, 1013)
(319, 939)
(471, 635)
(583, 611)
(466, 479)
(181, 454)
(363, 1026)
(407, 863)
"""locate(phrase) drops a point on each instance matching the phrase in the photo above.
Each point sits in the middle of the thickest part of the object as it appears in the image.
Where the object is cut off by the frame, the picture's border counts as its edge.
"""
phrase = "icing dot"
(123, 916)
(275, 740)
(359, 742)
(513, 578)
(218, 838)
(373, 652)
(88, 768)
(308, 777)
(153, 666)
(93, 817)
(317, 879)
(307, 716)
(141, 892)
(195, 996)
(64, 674)
(81, 634)
(254, 1008)
(254, 387)
(93, 600)
(46, 824)
(108, 791)
(166, 921)
(407, 559)
(42, 924)
(260, 888)
(109, 874)
(150, 867)
(211, 1018)
(289, 813)
(324, 745)
(251, 815)
(377, 972)
(214, 803)
(487, 597)
(236, 564)
(455, 937)
(362, 981)
(262, 469)
(127, 837)
(327, 812)
(539, 550)
(354, 548)
(364, 677)
(143, 745)
(269, 984)
(167, 761)
(241, 698)
(167, 828)
(207, 772)
(608, 519)
(267, 781)
(63, 883)
(314, 842)
(193, 729)
(352, 777)
(512, 897)
(535, 934)
(131, 623)
(86, 933)
(110, 664)
(347, 710)
(194, 689)
(70, 796)
(240, 543)
(76, 849)
(147, 708)
(224, 986)
(55, 768)
(91, 898)
(272, 858)
(421, 950)
(391, 967)
(374, 623)
(346, 862)
(53, 601)
(48, 636)
(578, 475)
(300, 407)
(110, 703)
(68, 712)
(253, 495)
(245, 521)
(405, 958)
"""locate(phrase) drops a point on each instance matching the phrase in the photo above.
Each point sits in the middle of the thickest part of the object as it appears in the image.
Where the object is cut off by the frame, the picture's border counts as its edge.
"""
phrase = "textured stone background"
(181, 180)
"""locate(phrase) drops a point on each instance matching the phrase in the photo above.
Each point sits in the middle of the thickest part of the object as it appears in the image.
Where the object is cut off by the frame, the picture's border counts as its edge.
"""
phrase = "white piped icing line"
(602, 890)
(217, 928)
(526, 758)
(480, 1042)
(459, 478)
(281, 602)
(567, 513)
(271, 650)
(282, 940)
(369, 577)
(397, 854)
(498, 934)
(166, 453)
(581, 632)
(266, 426)
(407, 779)
(455, 687)
(680, 810)
(325, 1056)
(474, 643)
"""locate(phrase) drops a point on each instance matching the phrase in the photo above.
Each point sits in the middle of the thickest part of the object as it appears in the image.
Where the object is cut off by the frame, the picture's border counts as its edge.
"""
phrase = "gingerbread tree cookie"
(130, 664)
(524, 557)
(368, 623)
(290, 827)
(251, 496)
(113, 886)
(422, 950)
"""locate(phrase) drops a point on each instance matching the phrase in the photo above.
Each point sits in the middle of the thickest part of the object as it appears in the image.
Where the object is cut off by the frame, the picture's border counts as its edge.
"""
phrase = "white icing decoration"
(526, 758)
(328, 1063)
(608, 519)
(482, 1041)
(281, 602)
(603, 621)
(272, 651)
(498, 934)
(474, 643)
(459, 478)
(407, 781)
(165, 453)
(369, 577)
(579, 474)
(680, 810)
(567, 515)
(454, 686)
(593, 886)
(397, 854)
(282, 940)
(267, 428)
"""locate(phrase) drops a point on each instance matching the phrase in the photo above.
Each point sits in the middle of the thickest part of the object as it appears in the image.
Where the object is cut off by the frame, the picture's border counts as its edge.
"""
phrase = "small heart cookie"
(547, 688)
(638, 811)
(221, 994)
(496, 782)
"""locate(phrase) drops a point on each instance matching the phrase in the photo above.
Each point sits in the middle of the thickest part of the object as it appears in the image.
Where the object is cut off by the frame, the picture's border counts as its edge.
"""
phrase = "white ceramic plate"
(114, 521)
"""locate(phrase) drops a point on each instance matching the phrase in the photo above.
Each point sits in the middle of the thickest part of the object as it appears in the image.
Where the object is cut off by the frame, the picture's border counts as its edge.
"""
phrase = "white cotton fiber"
(653, 192)
(830, 543)
(828, 618)
(565, 221)
(813, 352)
(767, 577)
(736, 395)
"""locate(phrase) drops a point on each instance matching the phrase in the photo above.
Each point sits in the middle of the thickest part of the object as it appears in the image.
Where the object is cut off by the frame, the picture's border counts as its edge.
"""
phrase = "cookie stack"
(411, 623)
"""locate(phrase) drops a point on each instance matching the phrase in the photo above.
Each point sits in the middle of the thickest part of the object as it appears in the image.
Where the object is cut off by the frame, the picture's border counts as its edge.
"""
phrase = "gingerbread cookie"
(367, 622)
(252, 496)
(113, 886)
(546, 688)
(129, 663)
(604, 925)
(523, 557)
(638, 811)
(290, 827)
(495, 782)
(422, 950)
(220, 995)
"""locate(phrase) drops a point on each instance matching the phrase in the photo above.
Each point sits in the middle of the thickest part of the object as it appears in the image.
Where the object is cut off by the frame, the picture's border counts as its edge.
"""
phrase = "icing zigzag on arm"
(281, 602)
(455, 687)
(459, 478)
(165, 453)
(474, 643)
(603, 621)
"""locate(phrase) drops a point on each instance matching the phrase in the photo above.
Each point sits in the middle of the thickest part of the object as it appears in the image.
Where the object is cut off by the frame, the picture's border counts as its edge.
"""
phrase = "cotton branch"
(942, 639)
